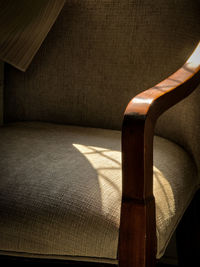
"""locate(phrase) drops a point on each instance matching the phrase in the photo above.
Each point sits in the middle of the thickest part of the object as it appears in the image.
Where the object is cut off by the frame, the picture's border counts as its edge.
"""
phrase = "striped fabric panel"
(24, 26)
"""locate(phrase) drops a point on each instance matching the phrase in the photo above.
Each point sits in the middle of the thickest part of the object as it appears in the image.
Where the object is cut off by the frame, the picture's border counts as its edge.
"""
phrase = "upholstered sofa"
(68, 189)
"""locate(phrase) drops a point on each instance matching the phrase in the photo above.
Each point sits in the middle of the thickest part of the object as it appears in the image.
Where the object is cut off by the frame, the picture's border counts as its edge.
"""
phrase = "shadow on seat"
(80, 179)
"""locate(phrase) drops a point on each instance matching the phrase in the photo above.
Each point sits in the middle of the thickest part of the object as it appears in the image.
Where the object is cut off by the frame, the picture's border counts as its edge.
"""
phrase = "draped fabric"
(24, 26)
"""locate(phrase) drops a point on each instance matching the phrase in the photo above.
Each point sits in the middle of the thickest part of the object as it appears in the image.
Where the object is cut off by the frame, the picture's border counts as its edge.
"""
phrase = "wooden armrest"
(138, 126)
(137, 235)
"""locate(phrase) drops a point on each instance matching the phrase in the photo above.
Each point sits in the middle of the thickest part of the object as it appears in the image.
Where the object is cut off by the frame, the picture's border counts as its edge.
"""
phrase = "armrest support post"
(137, 238)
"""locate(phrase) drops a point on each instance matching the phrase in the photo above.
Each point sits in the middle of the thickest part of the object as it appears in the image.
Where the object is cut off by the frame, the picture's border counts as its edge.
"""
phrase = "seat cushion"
(60, 190)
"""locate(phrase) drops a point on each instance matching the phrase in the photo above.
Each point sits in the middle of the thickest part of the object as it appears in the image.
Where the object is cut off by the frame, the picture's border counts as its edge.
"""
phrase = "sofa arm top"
(138, 127)
(156, 100)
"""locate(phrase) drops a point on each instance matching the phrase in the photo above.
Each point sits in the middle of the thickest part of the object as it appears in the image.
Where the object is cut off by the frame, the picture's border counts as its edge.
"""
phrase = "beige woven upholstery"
(98, 55)
(60, 185)
(61, 190)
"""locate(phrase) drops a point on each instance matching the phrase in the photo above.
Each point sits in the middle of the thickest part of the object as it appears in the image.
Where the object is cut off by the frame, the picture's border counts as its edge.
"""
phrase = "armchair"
(72, 187)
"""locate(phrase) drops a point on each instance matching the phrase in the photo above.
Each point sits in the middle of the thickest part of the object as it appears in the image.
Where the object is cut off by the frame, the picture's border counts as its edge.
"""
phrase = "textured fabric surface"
(60, 190)
(181, 124)
(1, 91)
(98, 55)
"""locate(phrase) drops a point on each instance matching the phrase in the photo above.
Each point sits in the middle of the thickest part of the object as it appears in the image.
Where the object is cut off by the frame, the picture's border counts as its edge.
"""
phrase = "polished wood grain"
(137, 239)
(24, 25)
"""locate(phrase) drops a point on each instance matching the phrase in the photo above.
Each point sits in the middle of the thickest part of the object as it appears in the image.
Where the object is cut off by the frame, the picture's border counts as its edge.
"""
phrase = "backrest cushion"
(98, 55)
(181, 124)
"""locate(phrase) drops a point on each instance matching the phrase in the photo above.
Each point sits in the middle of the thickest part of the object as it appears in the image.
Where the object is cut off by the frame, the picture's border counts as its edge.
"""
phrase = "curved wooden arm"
(139, 121)
(137, 236)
